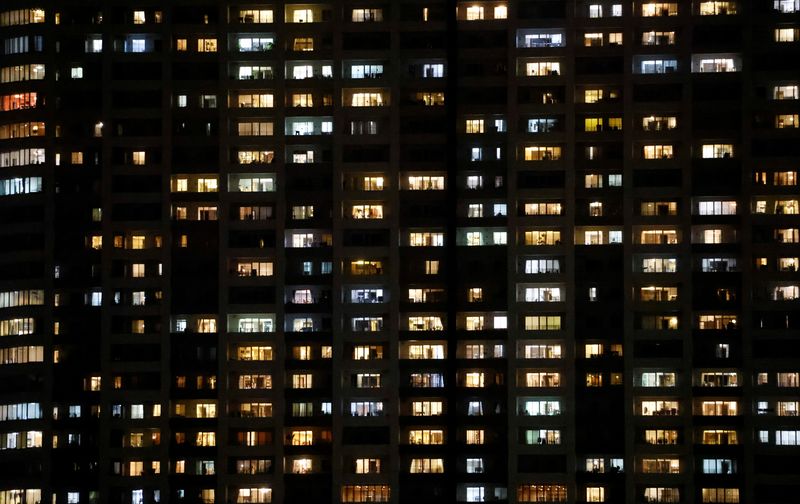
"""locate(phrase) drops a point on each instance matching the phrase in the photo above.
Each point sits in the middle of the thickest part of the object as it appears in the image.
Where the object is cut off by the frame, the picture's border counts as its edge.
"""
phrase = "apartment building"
(408, 251)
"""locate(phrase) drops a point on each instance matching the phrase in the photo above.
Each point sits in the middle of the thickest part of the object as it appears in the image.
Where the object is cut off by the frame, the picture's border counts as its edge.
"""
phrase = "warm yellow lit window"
(718, 8)
(475, 294)
(139, 158)
(474, 126)
(181, 44)
(475, 436)
(426, 437)
(592, 95)
(303, 44)
(787, 121)
(658, 152)
(594, 379)
(659, 9)
(474, 13)
(206, 45)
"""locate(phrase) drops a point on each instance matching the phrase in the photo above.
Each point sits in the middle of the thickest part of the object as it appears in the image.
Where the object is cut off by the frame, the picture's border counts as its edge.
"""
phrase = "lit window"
(595, 494)
(785, 92)
(658, 38)
(657, 66)
(716, 151)
(718, 8)
(367, 15)
(659, 9)
(542, 68)
(786, 34)
(726, 495)
(206, 45)
(474, 126)
(787, 121)
(475, 436)
(426, 466)
(256, 16)
(301, 16)
(702, 64)
(657, 152)
(474, 13)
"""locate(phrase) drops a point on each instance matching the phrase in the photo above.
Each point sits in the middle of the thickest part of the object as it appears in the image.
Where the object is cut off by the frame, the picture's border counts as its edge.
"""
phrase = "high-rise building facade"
(407, 251)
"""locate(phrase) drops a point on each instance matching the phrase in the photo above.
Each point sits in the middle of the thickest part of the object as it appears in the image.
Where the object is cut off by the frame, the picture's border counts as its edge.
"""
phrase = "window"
(368, 466)
(252, 44)
(247, 72)
(658, 408)
(592, 39)
(426, 351)
(367, 212)
(726, 495)
(304, 44)
(255, 128)
(717, 151)
(541, 39)
(785, 92)
(433, 70)
(474, 13)
(592, 95)
(540, 407)
(542, 237)
(541, 493)
(367, 99)
(657, 66)
(595, 494)
(426, 437)
(206, 45)
(659, 123)
(264, 16)
(542, 153)
(657, 379)
(657, 152)
(429, 99)
(425, 239)
(254, 100)
(659, 9)
(301, 16)
(365, 493)
(367, 15)
(711, 64)
(426, 408)
(541, 125)
(786, 6)
(425, 183)
(718, 8)
(595, 11)
(426, 466)
(543, 323)
(717, 208)
(543, 209)
(786, 121)
(474, 126)
(542, 68)
(786, 34)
